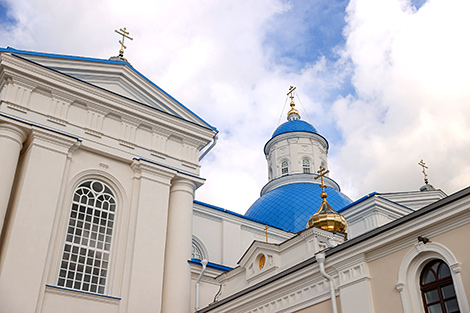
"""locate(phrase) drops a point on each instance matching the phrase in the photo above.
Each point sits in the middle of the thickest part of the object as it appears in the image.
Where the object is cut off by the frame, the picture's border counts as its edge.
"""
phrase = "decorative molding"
(50, 140)
(153, 172)
(410, 270)
(16, 107)
(127, 144)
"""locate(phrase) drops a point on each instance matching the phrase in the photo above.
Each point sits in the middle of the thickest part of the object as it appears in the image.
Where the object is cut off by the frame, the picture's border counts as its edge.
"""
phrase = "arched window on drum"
(306, 166)
(284, 167)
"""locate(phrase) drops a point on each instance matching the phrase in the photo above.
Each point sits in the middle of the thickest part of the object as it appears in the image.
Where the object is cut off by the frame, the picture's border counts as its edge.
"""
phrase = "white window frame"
(284, 167)
(410, 270)
(306, 164)
(103, 273)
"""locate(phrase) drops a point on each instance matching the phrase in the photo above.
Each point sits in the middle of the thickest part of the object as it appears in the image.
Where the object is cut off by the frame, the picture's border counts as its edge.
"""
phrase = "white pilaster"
(29, 228)
(11, 142)
(177, 277)
(148, 229)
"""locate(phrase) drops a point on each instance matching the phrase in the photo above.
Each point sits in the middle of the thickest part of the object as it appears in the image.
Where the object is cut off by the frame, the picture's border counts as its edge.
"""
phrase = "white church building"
(97, 211)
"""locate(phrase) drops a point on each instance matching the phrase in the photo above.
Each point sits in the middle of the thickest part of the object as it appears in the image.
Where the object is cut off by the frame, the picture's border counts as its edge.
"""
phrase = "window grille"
(85, 261)
(306, 166)
(196, 252)
(284, 167)
(437, 288)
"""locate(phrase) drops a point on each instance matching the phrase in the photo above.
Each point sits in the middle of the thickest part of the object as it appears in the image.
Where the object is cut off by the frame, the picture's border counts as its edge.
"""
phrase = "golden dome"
(292, 110)
(326, 218)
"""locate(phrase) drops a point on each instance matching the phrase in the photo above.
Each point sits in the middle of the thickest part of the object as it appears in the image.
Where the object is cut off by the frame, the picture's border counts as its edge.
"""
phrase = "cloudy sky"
(386, 82)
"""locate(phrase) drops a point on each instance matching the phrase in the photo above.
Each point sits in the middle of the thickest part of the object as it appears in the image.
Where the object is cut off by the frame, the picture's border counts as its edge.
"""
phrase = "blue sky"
(386, 82)
(305, 32)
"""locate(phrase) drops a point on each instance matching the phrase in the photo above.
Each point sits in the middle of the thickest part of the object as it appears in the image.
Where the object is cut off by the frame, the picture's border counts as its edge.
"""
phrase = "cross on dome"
(293, 114)
(327, 218)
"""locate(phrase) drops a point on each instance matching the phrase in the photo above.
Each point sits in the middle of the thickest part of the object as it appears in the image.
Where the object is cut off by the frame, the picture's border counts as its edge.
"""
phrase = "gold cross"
(421, 163)
(322, 173)
(291, 90)
(125, 34)
(266, 230)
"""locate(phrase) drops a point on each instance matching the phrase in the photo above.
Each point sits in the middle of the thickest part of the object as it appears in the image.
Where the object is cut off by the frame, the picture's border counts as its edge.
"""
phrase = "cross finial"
(421, 163)
(322, 173)
(124, 34)
(291, 94)
(266, 231)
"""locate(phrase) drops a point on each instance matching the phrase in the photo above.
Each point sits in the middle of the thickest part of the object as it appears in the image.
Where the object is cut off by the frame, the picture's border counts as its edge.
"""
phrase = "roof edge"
(97, 60)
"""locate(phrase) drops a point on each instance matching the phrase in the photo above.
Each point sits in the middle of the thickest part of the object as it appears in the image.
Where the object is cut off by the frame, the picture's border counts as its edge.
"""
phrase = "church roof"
(116, 76)
(290, 206)
(294, 126)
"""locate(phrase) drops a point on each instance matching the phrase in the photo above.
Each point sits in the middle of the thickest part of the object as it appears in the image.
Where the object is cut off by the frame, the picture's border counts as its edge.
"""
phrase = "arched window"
(437, 288)
(306, 166)
(284, 167)
(85, 260)
(413, 268)
(198, 251)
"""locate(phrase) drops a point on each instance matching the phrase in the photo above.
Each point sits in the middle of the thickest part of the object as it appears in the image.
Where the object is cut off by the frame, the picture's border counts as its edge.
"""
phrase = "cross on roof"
(421, 163)
(125, 34)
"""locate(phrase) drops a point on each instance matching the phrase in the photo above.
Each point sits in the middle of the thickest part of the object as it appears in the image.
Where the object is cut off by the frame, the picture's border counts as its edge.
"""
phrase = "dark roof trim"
(358, 201)
(84, 292)
(420, 212)
(243, 292)
(215, 266)
(234, 213)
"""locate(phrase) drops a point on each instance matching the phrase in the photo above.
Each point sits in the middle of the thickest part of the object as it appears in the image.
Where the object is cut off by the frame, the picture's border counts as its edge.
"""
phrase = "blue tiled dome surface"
(290, 206)
(294, 126)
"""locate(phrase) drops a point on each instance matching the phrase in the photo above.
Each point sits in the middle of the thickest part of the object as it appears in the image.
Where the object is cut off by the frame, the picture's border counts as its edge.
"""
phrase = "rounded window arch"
(198, 251)
(284, 167)
(306, 166)
(437, 288)
(86, 254)
(409, 275)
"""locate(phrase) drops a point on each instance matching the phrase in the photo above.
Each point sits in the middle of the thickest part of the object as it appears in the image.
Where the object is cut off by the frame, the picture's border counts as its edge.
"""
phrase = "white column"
(35, 201)
(11, 142)
(177, 277)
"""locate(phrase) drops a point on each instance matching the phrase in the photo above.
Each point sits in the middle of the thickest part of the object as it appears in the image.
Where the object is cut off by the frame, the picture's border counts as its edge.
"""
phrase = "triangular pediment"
(116, 76)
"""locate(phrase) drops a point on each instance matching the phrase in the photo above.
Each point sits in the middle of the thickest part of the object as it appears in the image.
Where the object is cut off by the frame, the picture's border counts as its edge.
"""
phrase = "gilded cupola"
(327, 218)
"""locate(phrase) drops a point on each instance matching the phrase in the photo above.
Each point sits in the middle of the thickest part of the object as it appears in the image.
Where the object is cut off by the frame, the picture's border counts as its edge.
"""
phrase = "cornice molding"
(76, 90)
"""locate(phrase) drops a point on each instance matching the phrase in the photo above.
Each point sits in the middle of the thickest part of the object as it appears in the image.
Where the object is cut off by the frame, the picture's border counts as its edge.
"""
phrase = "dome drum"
(296, 135)
(297, 178)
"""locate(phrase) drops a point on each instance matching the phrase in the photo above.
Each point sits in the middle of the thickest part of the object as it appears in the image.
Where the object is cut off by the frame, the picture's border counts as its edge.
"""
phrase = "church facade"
(97, 211)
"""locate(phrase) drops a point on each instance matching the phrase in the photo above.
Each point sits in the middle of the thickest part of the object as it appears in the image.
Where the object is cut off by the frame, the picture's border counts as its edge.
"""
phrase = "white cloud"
(413, 101)
(409, 70)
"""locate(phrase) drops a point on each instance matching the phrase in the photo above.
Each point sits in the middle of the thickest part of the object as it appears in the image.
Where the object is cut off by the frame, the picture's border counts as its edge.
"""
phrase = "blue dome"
(294, 126)
(290, 206)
